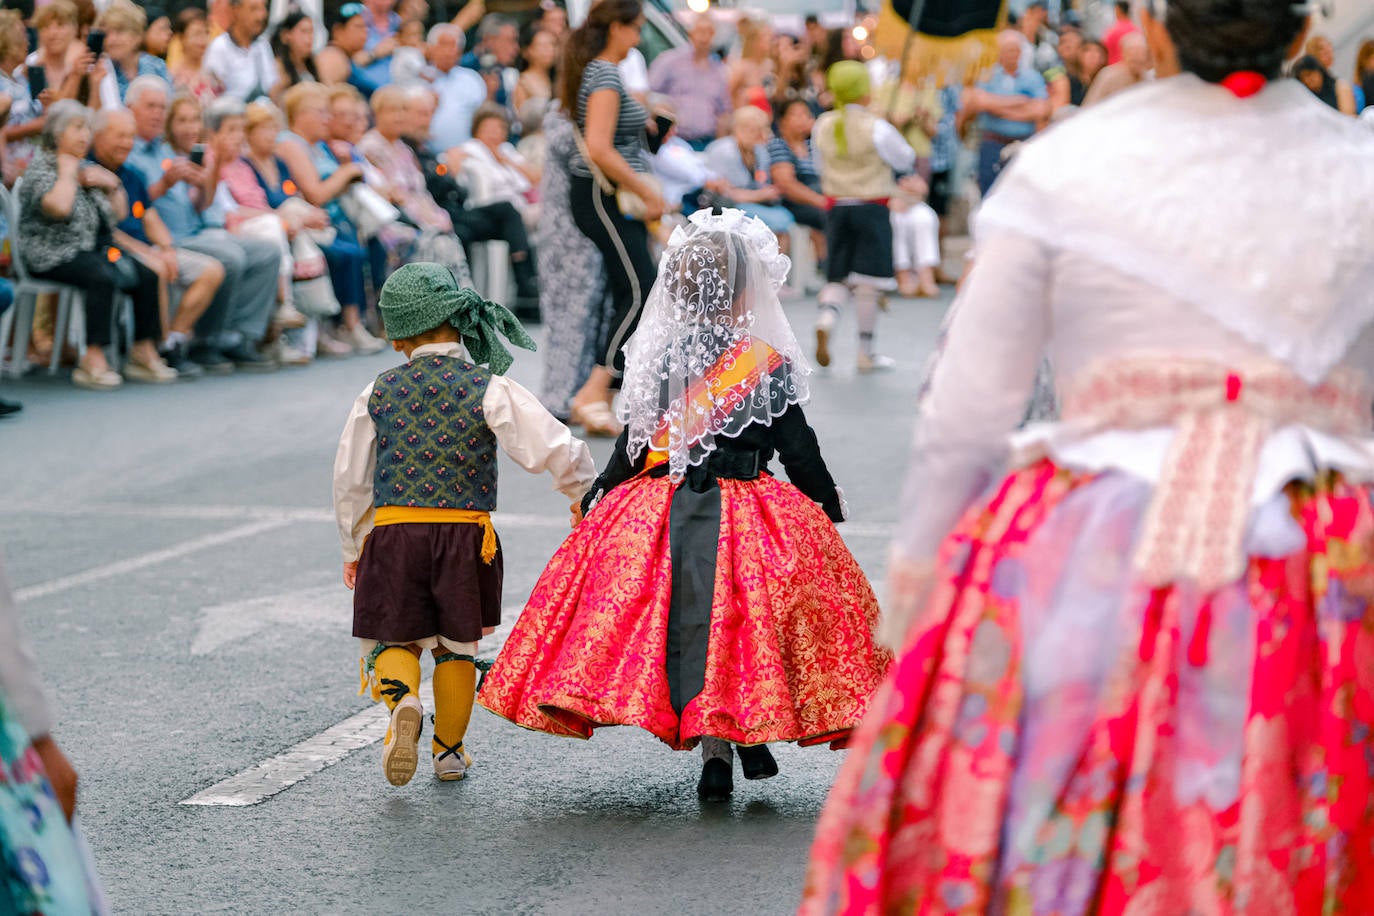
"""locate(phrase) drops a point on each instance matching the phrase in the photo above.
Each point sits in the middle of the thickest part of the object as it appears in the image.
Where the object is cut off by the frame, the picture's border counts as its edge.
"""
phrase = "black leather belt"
(734, 465)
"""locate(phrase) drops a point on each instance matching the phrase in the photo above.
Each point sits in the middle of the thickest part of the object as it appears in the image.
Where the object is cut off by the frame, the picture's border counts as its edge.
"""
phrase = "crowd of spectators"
(239, 184)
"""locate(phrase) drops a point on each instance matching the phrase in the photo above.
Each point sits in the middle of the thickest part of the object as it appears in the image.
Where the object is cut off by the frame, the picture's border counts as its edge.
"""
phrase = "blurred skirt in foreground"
(1057, 739)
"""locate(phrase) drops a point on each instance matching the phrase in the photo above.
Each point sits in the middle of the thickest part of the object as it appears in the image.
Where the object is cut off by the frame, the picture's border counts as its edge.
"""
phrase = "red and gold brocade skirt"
(790, 654)
(1058, 740)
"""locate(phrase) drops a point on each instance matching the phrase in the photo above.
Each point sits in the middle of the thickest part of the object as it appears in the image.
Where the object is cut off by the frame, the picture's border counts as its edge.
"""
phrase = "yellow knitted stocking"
(455, 685)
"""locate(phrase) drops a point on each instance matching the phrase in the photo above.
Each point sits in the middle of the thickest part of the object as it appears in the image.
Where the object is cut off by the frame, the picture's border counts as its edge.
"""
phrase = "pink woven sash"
(1195, 527)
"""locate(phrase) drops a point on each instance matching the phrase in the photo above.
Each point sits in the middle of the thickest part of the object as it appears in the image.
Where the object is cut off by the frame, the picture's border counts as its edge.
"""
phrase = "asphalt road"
(179, 575)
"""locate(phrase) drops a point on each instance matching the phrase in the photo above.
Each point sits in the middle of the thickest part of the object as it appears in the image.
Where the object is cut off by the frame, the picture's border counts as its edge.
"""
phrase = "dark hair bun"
(1215, 38)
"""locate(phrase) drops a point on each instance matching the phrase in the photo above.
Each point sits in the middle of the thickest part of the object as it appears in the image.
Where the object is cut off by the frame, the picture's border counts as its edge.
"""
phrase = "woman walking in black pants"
(612, 128)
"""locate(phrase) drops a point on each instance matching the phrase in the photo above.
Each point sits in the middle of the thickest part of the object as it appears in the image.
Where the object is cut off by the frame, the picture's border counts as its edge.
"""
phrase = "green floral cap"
(421, 296)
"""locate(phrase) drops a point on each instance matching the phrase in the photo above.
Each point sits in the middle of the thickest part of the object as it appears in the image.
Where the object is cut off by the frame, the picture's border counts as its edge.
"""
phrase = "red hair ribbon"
(1245, 83)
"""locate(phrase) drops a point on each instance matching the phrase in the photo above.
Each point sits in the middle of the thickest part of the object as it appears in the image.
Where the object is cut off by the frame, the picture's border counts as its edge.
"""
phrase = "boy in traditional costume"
(859, 155)
(702, 599)
(414, 486)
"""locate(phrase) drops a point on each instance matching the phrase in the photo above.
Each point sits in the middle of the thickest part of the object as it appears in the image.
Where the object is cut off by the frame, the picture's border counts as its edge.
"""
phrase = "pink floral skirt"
(1059, 740)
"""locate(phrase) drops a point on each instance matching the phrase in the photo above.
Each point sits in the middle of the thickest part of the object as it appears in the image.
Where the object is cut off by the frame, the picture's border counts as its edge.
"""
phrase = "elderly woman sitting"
(742, 160)
(68, 209)
(322, 180)
(386, 149)
(124, 25)
(495, 170)
(260, 182)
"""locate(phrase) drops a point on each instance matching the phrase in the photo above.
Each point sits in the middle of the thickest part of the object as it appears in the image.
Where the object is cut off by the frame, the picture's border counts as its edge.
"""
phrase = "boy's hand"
(576, 514)
(350, 573)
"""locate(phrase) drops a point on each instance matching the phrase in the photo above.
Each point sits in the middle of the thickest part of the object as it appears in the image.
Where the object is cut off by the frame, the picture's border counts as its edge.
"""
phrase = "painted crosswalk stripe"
(319, 752)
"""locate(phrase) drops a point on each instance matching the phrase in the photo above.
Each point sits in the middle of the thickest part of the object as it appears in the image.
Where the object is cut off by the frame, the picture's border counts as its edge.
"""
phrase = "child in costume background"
(702, 599)
(414, 485)
(859, 155)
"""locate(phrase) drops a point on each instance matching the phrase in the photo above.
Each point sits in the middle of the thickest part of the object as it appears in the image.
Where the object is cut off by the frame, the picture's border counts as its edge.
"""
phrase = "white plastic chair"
(806, 274)
(491, 273)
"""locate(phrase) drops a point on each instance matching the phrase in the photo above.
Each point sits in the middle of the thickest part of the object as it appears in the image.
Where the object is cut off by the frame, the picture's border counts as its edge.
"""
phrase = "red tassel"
(1197, 646)
(1245, 83)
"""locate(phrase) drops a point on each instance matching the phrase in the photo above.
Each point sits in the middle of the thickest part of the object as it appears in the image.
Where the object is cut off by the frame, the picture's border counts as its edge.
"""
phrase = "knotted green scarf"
(848, 82)
(421, 296)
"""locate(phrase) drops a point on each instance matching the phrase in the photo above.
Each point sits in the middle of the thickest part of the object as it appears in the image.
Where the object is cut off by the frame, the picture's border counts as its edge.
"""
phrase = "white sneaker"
(825, 323)
(452, 767)
(875, 362)
(362, 341)
(401, 753)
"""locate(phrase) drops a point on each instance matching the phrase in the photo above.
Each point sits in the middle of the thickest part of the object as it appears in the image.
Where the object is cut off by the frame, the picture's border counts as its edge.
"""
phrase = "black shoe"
(178, 356)
(757, 762)
(717, 782)
(210, 359)
(246, 357)
(9, 407)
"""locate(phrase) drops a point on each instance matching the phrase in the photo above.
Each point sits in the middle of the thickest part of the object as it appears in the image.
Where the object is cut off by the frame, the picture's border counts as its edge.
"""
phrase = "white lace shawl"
(1258, 212)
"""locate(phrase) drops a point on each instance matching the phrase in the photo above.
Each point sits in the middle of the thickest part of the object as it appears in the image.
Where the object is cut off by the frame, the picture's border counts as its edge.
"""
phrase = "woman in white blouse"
(495, 171)
(1138, 676)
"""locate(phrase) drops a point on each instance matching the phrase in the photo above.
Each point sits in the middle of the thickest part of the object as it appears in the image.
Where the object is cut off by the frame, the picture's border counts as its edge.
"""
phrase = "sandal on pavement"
(105, 379)
(157, 373)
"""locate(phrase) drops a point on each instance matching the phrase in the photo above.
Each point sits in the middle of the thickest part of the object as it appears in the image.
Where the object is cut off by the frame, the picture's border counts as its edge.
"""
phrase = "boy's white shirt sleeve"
(535, 439)
(892, 147)
(354, 465)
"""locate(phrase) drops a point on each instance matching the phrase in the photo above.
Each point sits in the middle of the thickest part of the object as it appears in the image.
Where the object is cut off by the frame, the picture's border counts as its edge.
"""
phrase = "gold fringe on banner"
(960, 60)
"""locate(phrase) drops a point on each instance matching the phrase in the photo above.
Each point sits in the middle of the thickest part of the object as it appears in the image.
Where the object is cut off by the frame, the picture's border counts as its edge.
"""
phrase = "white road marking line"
(275, 513)
(142, 561)
(255, 513)
(319, 752)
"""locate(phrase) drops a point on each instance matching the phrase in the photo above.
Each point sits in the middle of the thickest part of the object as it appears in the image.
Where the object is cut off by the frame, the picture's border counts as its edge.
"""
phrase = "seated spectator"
(460, 91)
(69, 210)
(64, 59)
(192, 279)
(323, 180)
(686, 178)
(219, 15)
(1133, 68)
(541, 58)
(124, 24)
(1337, 93)
(25, 119)
(915, 240)
(1071, 53)
(752, 68)
(382, 23)
(1364, 75)
(158, 35)
(238, 318)
(742, 161)
(334, 63)
(495, 171)
(1092, 60)
(260, 181)
(498, 221)
(494, 57)
(293, 46)
(697, 83)
(193, 33)
(241, 59)
(224, 124)
(386, 149)
(794, 170)
(408, 63)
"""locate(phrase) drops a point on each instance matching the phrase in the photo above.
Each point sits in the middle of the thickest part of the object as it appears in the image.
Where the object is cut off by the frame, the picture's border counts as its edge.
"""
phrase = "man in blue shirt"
(192, 279)
(460, 91)
(1009, 106)
(494, 58)
(238, 317)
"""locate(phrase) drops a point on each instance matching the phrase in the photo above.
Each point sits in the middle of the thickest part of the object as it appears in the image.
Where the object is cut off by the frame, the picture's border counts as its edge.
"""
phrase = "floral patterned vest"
(434, 448)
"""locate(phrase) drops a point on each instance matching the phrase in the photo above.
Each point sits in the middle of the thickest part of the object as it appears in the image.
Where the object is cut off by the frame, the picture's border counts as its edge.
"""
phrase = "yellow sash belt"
(405, 515)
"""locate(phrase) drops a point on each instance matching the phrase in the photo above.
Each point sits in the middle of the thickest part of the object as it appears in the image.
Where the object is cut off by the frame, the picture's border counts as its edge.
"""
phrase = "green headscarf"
(421, 296)
(848, 83)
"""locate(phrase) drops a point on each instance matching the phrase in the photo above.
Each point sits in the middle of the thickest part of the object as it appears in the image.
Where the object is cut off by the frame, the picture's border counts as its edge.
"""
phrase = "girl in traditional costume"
(1138, 677)
(702, 599)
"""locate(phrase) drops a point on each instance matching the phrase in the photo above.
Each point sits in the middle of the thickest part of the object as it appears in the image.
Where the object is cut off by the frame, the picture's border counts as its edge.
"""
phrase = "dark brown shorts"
(417, 580)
